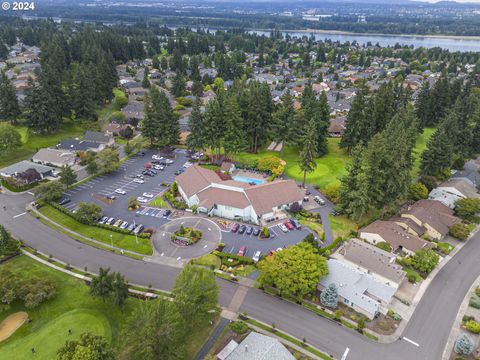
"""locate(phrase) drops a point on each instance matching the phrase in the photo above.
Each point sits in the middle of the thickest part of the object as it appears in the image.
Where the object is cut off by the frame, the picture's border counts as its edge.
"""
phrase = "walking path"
(208, 345)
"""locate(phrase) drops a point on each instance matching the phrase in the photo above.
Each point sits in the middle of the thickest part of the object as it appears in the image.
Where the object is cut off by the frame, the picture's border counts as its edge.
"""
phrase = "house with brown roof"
(434, 216)
(395, 235)
(236, 200)
(377, 262)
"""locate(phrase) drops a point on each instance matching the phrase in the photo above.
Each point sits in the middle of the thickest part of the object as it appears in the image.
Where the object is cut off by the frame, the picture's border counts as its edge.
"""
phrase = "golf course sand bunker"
(11, 324)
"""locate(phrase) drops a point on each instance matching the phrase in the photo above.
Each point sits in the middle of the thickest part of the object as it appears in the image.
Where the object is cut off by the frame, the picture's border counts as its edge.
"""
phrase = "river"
(450, 43)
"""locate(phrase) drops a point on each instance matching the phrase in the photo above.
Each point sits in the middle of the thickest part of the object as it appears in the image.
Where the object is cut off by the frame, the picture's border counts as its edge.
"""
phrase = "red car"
(242, 251)
(147, 166)
(235, 227)
(288, 224)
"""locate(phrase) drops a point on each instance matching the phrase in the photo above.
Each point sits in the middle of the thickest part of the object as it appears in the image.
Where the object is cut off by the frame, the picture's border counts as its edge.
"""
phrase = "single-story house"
(358, 289)
(54, 157)
(337, 126)
(19, 169)
(99, 137)
(434, 216)
(393, 234)
(453, 190)
(255, 347)
(372, 259)
(238, 200)
(80, 145)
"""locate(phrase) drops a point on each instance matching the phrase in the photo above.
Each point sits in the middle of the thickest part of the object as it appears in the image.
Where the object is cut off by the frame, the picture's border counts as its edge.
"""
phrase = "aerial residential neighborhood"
(196, 180)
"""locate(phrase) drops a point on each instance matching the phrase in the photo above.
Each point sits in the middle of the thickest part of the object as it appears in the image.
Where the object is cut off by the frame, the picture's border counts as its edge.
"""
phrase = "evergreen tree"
(382, 109)
(215, 123)
(119, 290)
(283, 126)
(83, 94)
(67, 176)
(234, 136)
(438, 155)
(329, 296)
(423, 105)
(322, 120)
(196, 124)
(9, 108)
(146, 80)
(357, 127)
(178, 85)
(101, 285)
(307, 154)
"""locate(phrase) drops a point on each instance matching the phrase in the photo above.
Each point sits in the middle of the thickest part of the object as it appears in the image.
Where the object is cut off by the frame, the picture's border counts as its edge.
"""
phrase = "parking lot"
(278, 239)
(96, 190)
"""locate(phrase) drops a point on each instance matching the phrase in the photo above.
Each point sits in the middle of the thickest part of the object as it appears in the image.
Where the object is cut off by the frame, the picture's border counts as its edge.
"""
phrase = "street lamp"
(111, 240)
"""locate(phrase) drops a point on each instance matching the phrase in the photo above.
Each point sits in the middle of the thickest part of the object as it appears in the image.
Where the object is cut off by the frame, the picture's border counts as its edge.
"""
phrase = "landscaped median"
(125, 241)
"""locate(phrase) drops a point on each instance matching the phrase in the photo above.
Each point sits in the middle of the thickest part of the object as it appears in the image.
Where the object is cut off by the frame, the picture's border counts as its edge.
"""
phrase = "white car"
(157, 157)
(187, 164)
(142, 200)
(257, 255)
(120, 191)
(124, 225)
(169, 161)
(283, 228)
(148, 195)
(118, 223)
(159, 167)
(140, 181)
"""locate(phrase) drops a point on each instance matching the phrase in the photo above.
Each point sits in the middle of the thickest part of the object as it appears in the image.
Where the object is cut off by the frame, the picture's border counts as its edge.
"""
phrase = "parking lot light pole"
(134, 227)
(111, 240)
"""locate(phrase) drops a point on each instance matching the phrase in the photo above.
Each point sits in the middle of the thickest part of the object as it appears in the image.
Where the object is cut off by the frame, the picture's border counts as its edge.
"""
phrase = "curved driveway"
(429, 326)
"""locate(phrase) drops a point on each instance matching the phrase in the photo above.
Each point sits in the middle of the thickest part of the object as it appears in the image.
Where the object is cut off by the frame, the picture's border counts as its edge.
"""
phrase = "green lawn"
(208, 260)
(158, 202)
(341, 226)
(33, 142)
(72, 308)
(420, 146)
(123, 241)
(329, 167)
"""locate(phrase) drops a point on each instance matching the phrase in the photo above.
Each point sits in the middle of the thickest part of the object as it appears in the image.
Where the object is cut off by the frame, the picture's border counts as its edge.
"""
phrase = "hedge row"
(145, 235)
(337, 242)
(181, 205)
(241, 259)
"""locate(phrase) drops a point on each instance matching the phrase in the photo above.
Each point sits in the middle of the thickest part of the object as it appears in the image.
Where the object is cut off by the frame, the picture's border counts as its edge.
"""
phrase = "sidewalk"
(456, 328)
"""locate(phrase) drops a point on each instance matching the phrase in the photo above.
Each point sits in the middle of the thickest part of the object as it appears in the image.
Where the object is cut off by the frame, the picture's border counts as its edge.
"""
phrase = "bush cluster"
(237, 259)
(239, 327)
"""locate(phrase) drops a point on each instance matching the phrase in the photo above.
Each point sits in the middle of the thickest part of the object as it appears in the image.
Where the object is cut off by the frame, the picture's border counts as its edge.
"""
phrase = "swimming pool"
(248, 180)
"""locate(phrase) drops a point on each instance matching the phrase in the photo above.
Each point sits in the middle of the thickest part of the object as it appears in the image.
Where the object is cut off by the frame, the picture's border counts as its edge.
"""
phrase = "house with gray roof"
(80, 145)
(255, 347)
(99, 137)
(450, 191)
(358, 289)
(54, 157)
(377, 262)
(16, 170)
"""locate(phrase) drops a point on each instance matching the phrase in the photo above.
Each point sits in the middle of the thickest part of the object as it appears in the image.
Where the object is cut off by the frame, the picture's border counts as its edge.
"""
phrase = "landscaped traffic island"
(185, 236)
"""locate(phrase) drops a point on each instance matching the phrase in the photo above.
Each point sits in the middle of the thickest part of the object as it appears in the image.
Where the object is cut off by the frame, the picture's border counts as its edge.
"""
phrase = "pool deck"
(250, 174)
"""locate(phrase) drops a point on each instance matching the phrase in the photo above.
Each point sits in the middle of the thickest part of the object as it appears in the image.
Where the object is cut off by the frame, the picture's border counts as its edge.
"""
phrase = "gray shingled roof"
(24, 165)
(260, 347)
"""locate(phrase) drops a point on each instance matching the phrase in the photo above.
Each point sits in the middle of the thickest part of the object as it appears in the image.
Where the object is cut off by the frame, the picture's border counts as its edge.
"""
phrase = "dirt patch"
(11, 324)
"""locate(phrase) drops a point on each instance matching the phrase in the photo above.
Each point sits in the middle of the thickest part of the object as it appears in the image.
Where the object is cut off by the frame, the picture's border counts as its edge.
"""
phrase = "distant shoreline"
(340, 32)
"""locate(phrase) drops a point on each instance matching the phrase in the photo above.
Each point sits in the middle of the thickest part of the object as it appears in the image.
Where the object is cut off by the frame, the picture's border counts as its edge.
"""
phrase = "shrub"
(429, 181)
(467, 318)
(475, 301)
(329, 296)
(239, 327)
(459, 231)
(384, 246)
(418, 191)
(463, 345)
(412, 278)
(332, 192)
(473, 326)
(361, 324)
(265, 232)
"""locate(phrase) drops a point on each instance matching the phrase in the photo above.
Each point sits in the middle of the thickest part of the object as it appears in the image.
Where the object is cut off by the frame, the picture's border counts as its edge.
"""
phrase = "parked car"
(64, 201)
(242, 251)
(159, 167)
(140, 181)
(167, 213)
(124, 225)
(169, 161)
(257, 255)
(131, 227)
(242, 229)
(120, 191)
(296, 224)
(139, 176)
(118, 223)
(111, 197)
(142, 200)
(319, 200)
(249, 230)
(157, 157)
(147, 165)
(103, 220)
(306, 199)
(179, 171)
(148, 195)
(256, 231)
(283, 228)
(138, 229)
(235, 227)
(288, 224)
(110, 221)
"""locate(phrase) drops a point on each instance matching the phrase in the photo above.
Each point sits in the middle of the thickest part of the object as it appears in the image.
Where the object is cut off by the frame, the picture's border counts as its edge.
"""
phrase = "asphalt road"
(429, 327)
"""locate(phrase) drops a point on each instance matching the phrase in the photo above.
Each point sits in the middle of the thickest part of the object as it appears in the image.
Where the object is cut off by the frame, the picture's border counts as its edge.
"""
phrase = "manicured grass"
(72, 308)
(411, 272)
(329, 167)
(445, 247)
(158, 202)
(31, 142)
(208, 260)
(106, 236)
(341, 226)
(420, 146)
(197, 339)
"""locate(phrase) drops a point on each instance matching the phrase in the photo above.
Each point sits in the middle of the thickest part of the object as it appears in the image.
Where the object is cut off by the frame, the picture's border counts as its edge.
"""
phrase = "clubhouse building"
(237, 200)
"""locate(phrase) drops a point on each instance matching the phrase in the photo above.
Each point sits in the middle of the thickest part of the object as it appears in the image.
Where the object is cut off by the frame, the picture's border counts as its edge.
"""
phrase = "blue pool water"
(248, 180)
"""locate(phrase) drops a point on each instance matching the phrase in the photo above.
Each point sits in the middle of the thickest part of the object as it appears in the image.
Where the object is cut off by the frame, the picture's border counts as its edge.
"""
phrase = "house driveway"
(211, 236)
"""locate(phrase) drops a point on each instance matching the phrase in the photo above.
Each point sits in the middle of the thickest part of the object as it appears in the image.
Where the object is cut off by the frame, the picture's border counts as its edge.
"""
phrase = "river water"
(452, 44)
